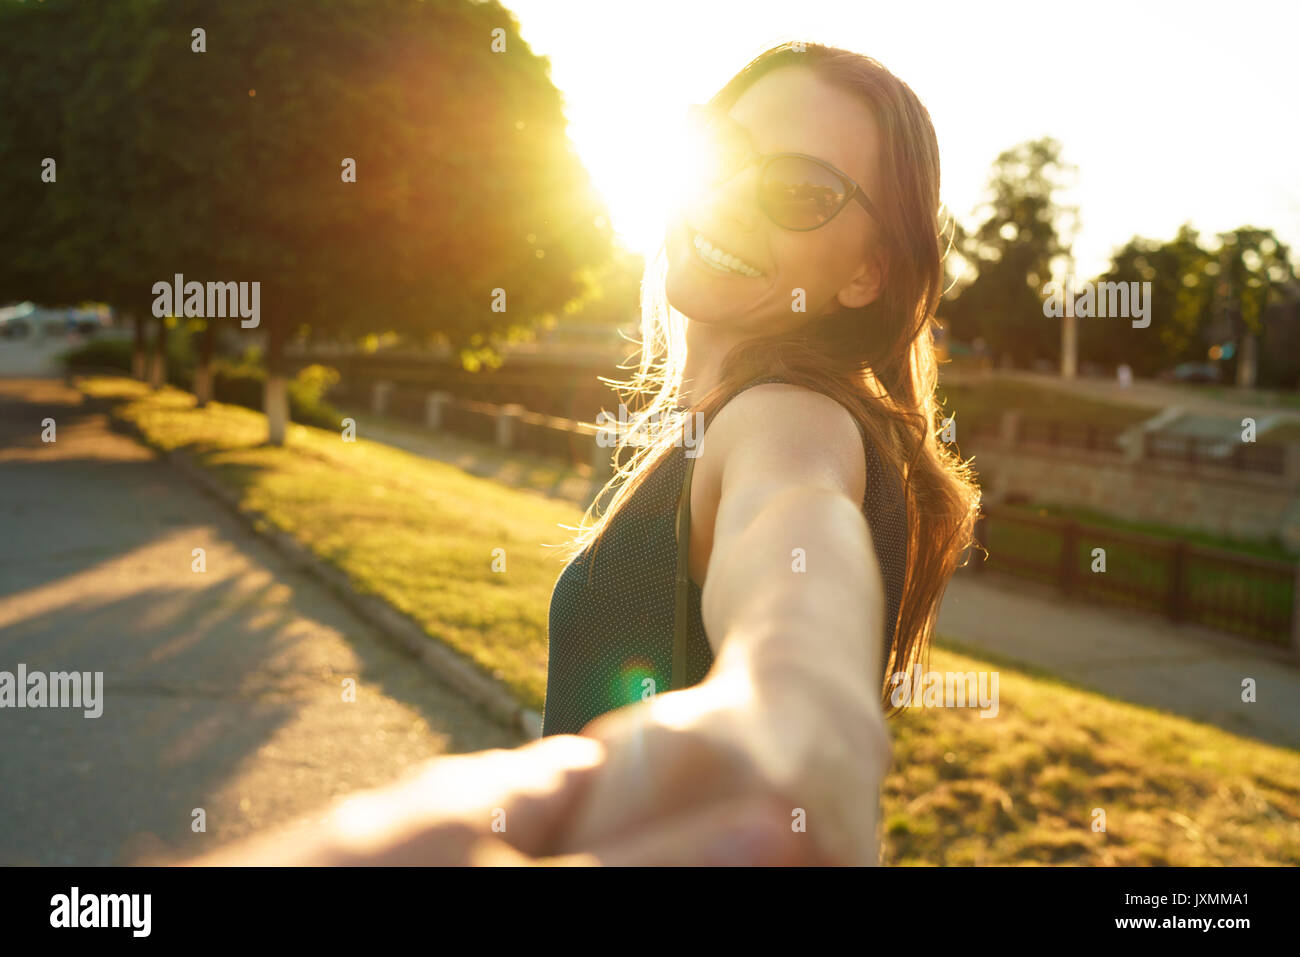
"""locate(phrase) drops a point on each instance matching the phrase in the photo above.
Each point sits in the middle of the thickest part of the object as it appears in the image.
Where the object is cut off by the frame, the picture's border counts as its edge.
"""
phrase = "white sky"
(1171, 111)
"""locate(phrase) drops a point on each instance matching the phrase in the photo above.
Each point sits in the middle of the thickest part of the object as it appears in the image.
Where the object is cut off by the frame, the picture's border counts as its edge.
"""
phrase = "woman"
(825, 517)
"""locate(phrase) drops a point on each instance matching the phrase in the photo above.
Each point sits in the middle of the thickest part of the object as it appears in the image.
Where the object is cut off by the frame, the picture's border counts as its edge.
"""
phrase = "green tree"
(228, 165)
(1012, 253)
(1254, 269)
(1181, 272)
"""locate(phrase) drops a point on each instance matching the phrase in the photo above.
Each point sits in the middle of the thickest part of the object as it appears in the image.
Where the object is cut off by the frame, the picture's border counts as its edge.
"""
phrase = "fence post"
(379, 397)
(507, 420)
(434, 403)
(1177, 581)
(1291, 463)
(1010, 427)
(1069, 554)
(602, 462)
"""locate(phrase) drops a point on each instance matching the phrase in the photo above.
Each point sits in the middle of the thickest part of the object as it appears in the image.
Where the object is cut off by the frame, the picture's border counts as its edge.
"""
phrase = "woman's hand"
(814, 752)
(502, 807)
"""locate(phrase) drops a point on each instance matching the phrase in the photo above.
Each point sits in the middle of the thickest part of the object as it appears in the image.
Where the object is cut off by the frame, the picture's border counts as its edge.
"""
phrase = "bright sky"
(1172, 111)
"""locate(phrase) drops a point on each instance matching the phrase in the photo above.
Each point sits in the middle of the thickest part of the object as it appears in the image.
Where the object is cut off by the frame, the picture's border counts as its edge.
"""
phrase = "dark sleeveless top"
(611, 619)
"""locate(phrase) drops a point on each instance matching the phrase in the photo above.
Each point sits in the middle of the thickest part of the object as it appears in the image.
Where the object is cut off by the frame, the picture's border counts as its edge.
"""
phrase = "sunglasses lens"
(799, 194)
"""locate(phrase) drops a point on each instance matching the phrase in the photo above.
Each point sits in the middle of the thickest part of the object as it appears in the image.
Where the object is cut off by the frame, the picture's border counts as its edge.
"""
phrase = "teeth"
(724, 260)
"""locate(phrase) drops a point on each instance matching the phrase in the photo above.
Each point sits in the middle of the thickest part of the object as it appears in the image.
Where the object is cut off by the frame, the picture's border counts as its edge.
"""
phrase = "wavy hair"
(877, 360)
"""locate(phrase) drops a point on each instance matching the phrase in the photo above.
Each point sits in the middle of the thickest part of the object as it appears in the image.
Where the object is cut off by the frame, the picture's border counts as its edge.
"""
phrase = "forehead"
(792, 110)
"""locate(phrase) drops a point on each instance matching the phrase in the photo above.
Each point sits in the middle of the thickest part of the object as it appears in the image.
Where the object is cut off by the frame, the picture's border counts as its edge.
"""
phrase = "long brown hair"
(878, 360)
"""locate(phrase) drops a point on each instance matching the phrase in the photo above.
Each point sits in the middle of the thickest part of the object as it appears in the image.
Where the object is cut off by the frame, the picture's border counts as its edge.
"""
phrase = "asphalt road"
(223, 689)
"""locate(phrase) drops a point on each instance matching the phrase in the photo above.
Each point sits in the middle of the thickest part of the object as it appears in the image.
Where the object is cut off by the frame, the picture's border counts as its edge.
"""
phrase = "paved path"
(1128, 655)
(223, 689)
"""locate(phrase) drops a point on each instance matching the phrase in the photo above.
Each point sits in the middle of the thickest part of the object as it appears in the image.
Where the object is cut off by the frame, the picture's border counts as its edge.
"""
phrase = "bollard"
(434, 404)
(507, 424)
(1010, 428)
(379, 397)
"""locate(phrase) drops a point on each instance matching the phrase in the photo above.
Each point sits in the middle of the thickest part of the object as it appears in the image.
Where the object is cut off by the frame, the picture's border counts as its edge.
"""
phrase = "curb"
(444, 663)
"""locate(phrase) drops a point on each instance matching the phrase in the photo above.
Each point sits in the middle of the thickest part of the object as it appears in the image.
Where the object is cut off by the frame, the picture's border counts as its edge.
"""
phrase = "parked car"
(22, 319)
(16, 320)
(1193, 372)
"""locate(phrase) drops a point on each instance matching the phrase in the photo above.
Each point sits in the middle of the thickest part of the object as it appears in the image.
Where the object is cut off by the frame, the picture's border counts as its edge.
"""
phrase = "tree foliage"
(227, 164)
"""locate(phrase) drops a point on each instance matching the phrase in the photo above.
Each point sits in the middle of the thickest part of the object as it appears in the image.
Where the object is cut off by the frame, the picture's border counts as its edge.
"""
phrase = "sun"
(645, 172)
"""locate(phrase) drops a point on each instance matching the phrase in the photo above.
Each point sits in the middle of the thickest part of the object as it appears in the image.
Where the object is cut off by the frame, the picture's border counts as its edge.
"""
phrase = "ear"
(864, 288)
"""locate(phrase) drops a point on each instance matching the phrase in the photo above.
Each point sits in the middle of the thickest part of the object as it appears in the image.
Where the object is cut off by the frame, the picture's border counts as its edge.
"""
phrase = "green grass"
(980, 406)
(1017, 789)
(1274, 398)
(1260, 549)
(1021, 788)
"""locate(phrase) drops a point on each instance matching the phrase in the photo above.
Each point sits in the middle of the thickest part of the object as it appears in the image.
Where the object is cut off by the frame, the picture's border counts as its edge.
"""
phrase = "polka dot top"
(611, 619)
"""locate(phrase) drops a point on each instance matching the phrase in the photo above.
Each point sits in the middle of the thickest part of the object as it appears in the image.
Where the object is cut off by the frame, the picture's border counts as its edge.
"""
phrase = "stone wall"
(1205, 497)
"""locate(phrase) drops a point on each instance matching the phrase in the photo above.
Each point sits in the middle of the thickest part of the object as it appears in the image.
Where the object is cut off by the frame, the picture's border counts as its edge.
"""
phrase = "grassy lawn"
(981, 406)
(1261, 549)
(1021, 787)
(1018, 788)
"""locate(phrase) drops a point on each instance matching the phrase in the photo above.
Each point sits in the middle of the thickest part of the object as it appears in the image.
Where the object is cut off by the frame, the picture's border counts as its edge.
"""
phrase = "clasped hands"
(704, 776)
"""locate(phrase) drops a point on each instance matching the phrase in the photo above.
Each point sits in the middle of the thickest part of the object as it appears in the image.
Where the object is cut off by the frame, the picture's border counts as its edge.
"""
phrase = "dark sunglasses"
(795, 191)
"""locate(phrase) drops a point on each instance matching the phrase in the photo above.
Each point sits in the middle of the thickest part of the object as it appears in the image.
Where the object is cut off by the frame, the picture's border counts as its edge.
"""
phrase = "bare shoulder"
(788, 433)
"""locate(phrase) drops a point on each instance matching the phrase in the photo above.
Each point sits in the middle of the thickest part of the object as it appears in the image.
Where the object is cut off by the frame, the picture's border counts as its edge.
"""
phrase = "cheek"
(810, 261)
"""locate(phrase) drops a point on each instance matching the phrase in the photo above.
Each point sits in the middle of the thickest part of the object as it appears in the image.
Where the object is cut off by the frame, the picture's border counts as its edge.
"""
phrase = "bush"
(241, 382)
(99, 354)
(236, 381)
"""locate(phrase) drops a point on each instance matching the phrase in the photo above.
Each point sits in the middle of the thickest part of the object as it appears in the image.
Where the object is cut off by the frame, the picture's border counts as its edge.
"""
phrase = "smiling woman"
(790, 309)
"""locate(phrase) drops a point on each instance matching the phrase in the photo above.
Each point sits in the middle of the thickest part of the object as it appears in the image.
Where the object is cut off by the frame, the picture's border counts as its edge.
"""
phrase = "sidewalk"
(223, 689)
(1132, 656)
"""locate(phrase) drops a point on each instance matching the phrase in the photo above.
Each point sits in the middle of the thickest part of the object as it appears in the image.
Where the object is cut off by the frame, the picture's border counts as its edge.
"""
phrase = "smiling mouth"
(719, 259)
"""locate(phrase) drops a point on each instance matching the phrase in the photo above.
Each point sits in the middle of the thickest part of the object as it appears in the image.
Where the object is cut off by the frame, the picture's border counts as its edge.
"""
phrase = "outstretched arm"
(793, 606)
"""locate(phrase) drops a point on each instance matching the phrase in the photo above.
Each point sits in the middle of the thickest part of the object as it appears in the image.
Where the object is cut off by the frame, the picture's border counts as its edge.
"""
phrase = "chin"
(688, 290)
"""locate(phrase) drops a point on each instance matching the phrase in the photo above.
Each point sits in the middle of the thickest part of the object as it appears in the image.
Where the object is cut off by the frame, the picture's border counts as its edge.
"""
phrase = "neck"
(706, 347)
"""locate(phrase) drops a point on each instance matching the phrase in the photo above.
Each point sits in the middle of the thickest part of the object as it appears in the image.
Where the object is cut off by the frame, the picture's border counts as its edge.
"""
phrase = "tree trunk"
(203, 374)
(158, 368)
(1247, 360)
(276, 397)
(139, 348)
(1069, 346)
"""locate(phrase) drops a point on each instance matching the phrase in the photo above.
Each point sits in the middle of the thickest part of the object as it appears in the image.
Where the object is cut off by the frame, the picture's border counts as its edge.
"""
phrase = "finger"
(437, 813)
(520, 796)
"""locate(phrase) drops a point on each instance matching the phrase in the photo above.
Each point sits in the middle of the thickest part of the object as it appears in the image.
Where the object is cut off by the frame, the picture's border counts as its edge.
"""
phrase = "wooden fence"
(1243, 594)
